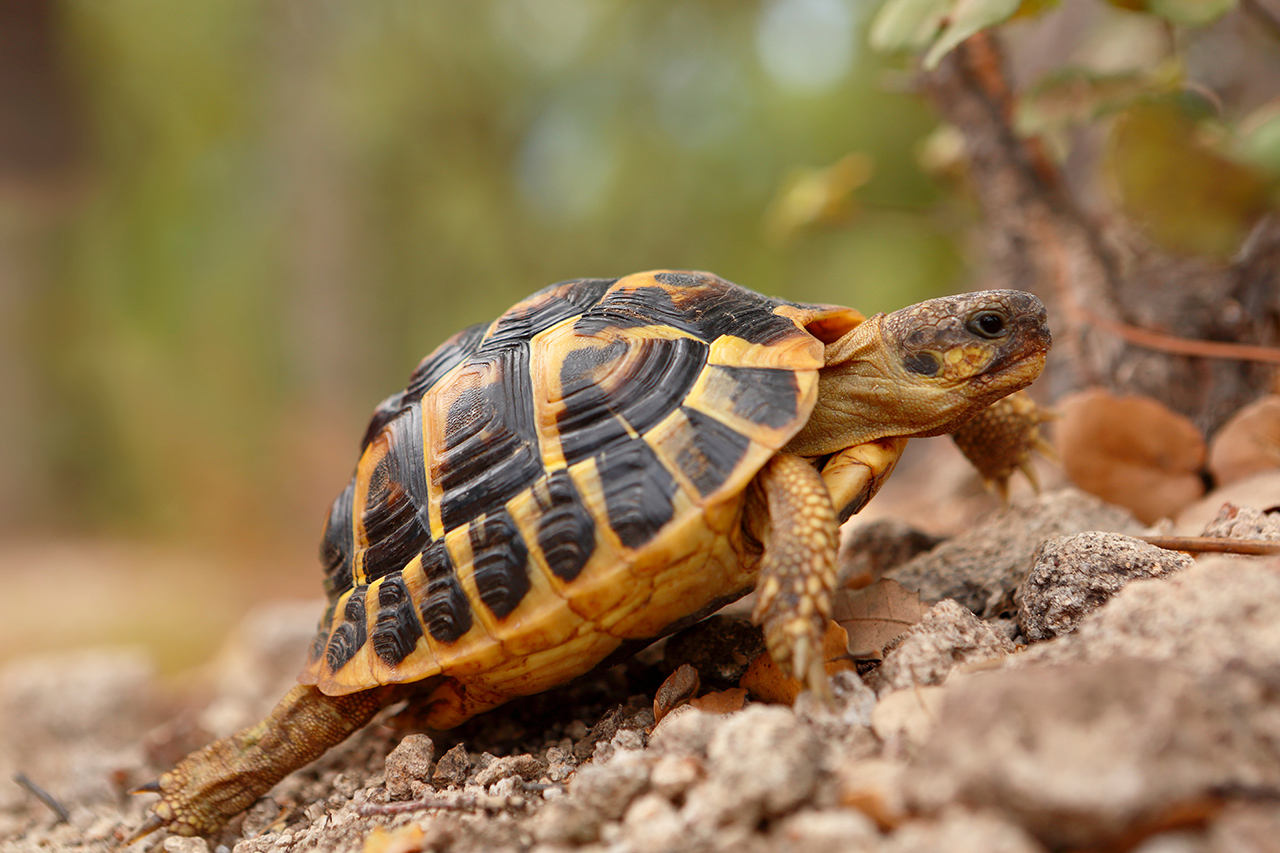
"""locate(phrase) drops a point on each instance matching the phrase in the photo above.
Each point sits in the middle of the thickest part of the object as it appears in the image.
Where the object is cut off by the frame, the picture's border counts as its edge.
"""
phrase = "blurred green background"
(227, 230)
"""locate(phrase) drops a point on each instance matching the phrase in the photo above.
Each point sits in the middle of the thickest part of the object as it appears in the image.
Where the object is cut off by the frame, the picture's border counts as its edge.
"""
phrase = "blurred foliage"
(287, 204)
(284, 205)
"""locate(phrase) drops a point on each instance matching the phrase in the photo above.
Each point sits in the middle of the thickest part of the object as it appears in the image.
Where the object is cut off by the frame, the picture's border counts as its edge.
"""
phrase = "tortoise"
(606, 462)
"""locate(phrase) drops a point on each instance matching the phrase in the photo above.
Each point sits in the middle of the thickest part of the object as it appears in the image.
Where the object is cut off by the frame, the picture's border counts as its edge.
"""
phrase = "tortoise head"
(925, 369)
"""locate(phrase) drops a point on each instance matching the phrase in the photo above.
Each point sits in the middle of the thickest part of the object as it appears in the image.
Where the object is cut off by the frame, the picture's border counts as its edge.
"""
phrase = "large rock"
(982, 568)
(1074, 575)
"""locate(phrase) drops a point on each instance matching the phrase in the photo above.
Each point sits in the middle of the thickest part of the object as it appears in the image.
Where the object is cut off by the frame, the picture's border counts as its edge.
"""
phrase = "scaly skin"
(798, 569)
(213, 784)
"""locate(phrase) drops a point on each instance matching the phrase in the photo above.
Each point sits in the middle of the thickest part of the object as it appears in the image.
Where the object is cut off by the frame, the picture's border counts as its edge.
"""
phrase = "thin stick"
(1181, 346)
(43, 796)
(1211, 544)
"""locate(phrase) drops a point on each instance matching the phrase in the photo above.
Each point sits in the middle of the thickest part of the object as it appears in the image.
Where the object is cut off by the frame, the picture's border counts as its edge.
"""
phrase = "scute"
(545, 475)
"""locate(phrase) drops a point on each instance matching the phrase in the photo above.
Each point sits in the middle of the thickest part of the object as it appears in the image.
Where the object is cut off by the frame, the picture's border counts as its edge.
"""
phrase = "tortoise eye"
(987, 324)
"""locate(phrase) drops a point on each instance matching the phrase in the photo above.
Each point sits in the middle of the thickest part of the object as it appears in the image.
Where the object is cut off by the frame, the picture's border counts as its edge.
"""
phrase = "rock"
(673, 775)
(1081, 755)
(1244, 522)
(71, 720)
(958, 831)
(527, 767)
(453, 767)
(904, 719)
(1251, 828)
(565, 823)
(409, 762)
(686, 731)
(178, 844)
(560, 763)
(1222, 613)
(1074, 575)
(871, 549)
(653, 824)
(826, 831)
(762, 762)
(982, 568)
(608, 789)
(949, 635)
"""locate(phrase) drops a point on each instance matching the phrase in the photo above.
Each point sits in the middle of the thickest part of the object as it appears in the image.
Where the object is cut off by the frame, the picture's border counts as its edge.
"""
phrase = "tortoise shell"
(558, 482)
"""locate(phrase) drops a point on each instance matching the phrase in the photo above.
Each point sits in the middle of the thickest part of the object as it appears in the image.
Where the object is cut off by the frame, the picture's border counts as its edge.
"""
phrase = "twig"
(1180, 346)
(1211, 544)
(43, 796)
(461, 801)
(1264, 16)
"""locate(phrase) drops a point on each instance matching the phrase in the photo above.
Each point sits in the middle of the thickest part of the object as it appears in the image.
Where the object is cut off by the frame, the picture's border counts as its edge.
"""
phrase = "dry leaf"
(876, 615)
(721, 701)
(404, 839)
(1247, 444)
(679, 687)
(766, 682)
(1131, 451)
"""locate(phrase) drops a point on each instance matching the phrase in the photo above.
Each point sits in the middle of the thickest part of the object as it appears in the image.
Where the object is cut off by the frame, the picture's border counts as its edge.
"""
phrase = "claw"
(149, 826)
(152, 787)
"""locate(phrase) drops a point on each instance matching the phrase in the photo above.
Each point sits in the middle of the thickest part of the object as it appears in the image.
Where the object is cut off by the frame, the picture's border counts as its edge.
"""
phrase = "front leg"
(798, 569)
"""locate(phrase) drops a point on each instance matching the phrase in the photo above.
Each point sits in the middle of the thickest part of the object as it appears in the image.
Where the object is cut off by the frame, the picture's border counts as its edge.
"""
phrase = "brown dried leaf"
(721, 701)
(1247, 444)
(766, 682)
(1131, 451)
(875, 616)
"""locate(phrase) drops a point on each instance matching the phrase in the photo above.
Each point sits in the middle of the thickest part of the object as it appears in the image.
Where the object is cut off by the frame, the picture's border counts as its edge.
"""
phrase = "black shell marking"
(499, 563)
(445, 610)
(396, 630)
(639, 389)
(704, 307)
(710, 451)
(491, 448)
(637, 491)
(350, 635)
(395, 511)
(566, 531)
(336, 544)
(762, 395)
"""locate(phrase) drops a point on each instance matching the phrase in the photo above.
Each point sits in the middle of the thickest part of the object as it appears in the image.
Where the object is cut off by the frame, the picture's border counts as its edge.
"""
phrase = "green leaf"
(1191, 13)
(967, 18)
(908, 24)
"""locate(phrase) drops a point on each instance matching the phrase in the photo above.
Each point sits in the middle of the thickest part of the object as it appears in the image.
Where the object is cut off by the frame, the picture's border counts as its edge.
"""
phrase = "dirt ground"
(1065, 687)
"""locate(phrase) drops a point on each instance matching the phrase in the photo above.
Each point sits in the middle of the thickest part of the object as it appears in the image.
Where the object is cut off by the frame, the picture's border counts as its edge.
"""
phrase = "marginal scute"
(445, 610)
(396, 630)
(499, 563)
(566, 530)
(350, 635)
